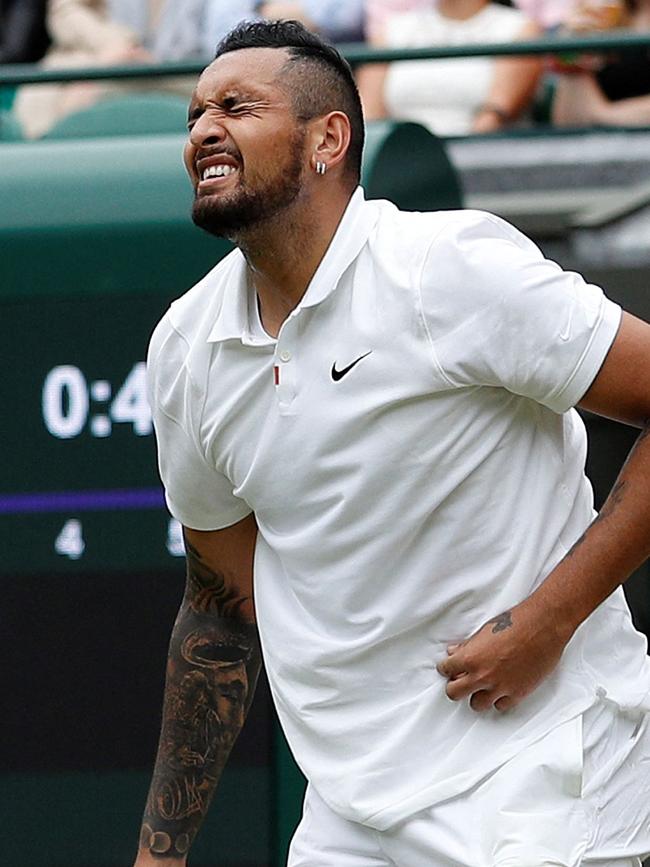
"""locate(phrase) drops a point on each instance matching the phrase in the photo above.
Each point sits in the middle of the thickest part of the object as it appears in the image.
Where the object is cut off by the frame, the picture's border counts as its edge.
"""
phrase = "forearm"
(213, 664)
(614, 545)
(512, 88)
(514, 81)
(634, 111)
(75, 25)
(579, 101)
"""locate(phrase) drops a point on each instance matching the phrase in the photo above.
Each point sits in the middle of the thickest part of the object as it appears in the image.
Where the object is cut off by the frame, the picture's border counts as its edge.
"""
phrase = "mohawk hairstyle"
(316, 75)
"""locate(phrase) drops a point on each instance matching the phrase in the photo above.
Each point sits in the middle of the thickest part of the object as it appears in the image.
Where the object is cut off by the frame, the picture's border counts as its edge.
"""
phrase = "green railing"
(18, 74)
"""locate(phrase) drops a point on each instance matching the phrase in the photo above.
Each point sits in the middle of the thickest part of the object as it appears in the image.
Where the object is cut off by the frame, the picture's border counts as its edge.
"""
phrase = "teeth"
(219, 171)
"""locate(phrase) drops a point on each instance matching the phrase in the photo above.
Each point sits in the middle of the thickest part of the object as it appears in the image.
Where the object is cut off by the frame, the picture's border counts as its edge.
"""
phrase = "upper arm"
(220, 570)
(371, 81)
(198, 493)
(621, 389)
(515, 78)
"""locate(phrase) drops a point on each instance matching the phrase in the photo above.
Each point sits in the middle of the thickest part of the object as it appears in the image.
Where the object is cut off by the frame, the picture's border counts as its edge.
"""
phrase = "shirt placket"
(284, 367)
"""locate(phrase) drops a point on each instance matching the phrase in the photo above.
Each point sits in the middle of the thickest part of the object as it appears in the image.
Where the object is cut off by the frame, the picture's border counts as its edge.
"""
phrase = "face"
(246, 149)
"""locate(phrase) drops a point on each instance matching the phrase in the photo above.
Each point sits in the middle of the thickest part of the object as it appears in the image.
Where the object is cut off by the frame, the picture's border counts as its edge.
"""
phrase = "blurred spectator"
(107, 33)
(613, 90)
(336, 20)
(23, 36)
(453, 96)
(378, 13)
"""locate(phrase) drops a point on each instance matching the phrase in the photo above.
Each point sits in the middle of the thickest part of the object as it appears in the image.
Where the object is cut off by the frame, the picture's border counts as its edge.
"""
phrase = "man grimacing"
(369, 415)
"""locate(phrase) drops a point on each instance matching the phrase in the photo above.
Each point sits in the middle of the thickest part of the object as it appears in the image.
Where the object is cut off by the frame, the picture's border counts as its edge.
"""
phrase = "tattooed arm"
(212, 669)
(510, 655)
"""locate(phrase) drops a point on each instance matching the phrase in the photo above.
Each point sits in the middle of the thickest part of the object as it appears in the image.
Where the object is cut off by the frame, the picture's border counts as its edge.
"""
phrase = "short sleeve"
(499, 314)
(197, 494)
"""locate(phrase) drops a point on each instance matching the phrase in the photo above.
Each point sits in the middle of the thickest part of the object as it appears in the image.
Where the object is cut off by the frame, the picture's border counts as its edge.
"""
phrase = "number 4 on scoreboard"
(70, 541)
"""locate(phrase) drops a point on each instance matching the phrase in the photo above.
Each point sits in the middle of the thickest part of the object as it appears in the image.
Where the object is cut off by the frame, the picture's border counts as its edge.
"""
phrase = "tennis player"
(366, 426)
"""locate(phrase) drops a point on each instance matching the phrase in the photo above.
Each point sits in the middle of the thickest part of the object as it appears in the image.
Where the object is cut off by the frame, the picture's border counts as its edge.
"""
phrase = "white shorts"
(580, 796)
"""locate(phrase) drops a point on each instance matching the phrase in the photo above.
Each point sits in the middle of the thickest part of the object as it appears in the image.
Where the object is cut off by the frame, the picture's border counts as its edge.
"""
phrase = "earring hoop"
(321, 168)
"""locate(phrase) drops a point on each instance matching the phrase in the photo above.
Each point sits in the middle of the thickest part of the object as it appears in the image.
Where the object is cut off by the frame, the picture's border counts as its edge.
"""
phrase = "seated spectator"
(109, 33)
(23, 37)
(453, 96)
(609, 91)
(336, 20)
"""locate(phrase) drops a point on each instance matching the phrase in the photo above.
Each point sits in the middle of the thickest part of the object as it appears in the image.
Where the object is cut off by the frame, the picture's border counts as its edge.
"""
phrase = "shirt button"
(285, 355)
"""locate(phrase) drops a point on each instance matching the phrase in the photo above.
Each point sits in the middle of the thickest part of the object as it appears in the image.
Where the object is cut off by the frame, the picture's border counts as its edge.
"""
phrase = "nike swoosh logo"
(339, 374)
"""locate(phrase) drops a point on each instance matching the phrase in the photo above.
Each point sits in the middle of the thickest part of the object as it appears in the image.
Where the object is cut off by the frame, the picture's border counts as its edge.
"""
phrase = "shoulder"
(437, 235)
(478, 260)
(184, 328)
(193, 314)
(467, 227)
(444, 252)
(479, 243)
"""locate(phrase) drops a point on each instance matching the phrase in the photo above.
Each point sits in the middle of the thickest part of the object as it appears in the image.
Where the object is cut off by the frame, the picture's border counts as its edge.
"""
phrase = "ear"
(329, 139)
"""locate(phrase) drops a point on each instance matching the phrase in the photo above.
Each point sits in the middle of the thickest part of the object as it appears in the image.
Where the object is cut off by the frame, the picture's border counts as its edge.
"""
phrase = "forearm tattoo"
(213, 663)
(501, 622)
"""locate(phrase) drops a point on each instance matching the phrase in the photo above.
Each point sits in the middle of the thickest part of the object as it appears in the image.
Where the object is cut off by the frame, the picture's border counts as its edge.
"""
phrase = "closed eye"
(243, 108)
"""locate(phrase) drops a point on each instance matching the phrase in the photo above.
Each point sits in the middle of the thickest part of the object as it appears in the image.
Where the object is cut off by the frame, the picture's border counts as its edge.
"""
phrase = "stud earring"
(321, 168)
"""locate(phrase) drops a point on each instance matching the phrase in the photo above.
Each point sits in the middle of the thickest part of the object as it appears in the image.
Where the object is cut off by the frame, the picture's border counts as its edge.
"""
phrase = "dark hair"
(318, 78)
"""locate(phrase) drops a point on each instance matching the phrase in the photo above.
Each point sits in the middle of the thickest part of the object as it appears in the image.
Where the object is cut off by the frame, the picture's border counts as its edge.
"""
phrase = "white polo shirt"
(408, 447)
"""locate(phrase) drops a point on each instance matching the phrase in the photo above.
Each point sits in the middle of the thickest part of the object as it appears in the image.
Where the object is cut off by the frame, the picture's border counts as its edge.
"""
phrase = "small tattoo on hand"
(503, 621)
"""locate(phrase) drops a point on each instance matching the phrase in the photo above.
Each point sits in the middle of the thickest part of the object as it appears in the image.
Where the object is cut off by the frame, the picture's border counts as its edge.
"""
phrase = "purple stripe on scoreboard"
(82, 501)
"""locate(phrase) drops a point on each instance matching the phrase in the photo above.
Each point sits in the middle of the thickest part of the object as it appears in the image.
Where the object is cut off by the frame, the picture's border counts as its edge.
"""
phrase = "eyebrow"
(231, 96)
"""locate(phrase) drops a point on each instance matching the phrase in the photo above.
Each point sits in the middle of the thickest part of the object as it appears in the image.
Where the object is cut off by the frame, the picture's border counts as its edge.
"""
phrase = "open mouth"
(218, 172)
(215, 173)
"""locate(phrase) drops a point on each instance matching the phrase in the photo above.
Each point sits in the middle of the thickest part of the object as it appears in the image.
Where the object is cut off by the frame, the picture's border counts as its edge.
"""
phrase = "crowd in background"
(456, 96)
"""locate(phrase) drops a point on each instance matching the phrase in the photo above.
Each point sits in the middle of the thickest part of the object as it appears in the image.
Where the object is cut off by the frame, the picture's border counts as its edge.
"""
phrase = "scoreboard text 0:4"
(81, 491)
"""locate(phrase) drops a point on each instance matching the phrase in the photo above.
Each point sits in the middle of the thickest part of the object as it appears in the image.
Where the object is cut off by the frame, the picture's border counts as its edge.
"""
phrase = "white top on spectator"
(444, 94)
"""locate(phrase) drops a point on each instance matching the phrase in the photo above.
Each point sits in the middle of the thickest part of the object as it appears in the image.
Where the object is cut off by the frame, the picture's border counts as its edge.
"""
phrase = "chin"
(219, 218)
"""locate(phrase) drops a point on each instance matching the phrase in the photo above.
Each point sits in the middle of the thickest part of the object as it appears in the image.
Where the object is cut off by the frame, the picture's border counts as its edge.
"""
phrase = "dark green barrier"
(111, 214)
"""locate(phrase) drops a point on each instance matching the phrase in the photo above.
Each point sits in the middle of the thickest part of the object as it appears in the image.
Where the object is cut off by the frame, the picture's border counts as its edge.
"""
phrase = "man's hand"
(505, 659)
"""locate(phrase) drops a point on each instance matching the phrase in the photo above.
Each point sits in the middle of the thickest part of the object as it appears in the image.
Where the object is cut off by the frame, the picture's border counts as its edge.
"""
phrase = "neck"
(284, 254)
(460, 9)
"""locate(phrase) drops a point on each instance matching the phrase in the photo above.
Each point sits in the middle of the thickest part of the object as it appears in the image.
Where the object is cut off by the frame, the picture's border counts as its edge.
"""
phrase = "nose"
(208, 130)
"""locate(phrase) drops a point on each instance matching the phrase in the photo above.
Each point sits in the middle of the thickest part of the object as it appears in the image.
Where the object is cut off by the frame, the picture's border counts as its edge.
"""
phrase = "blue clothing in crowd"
(336, 20)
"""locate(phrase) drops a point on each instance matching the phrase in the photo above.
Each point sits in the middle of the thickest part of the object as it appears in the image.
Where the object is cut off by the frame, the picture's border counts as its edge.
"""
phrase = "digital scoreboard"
(79, 489)
(91, 576)
(95, 241)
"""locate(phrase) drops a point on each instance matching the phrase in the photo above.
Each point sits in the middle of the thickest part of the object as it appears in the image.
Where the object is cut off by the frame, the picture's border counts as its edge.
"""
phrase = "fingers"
(453, 665)
(480, 699)
(461, 687)
(463, 684)
(505, 703)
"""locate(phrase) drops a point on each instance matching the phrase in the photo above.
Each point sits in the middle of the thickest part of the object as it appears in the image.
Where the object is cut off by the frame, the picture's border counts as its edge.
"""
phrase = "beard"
(227, 215)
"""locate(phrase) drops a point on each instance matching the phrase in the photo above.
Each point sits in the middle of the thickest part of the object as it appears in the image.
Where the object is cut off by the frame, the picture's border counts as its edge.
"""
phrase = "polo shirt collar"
(232, 322)
(357, 222)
